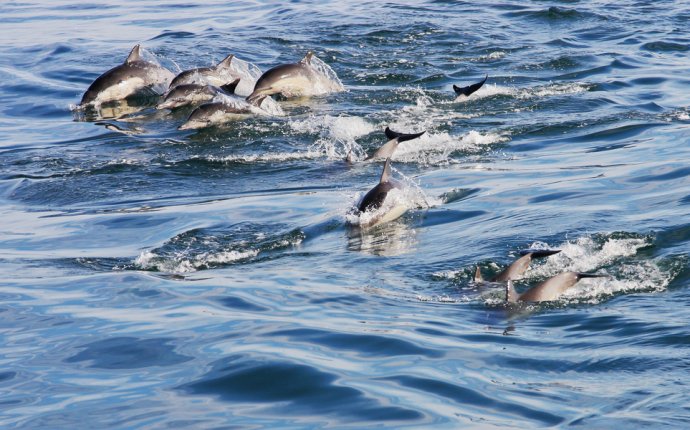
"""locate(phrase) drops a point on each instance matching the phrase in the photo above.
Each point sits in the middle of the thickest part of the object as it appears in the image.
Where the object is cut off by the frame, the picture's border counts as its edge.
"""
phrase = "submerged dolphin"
(292, 80)
(217, 75)
(387, 150)
(464, 92)
(518, 267)
(551, 289)
(194, 94)
(134, 77)
(375, 198)
(218, 113)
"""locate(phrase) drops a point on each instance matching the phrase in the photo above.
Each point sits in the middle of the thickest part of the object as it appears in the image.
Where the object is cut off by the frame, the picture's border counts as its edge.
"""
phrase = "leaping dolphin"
(549, 290)
(132, 78)
(217, 75)
(375, 198)
(194, 94)
(293, 80)
(518, 267)
(464, 92)
(218, 113)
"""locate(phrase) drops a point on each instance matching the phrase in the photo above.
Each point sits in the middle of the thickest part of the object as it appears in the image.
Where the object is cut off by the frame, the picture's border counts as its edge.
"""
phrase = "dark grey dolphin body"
(218, 113)
(217, 75)
(134, 77)
(549, 290)
(464, 92)
(518, 267)
(294, 80)
(194, 94)
(375, 198)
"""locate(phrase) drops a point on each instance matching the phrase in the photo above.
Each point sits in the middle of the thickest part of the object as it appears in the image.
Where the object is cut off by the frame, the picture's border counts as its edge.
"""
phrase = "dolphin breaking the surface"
(134, 77)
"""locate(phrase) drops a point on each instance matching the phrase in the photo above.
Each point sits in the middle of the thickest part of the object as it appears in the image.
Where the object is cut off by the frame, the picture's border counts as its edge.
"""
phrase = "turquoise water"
(158, 279)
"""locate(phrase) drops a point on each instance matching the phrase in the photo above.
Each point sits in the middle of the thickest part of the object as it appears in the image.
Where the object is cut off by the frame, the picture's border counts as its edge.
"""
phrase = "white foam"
(149, 260)
(248, 73)
(327, 80)
(338, 134)
(583, 255)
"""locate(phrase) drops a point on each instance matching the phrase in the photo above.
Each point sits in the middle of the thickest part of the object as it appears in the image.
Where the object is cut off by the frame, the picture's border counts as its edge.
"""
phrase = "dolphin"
(217, 75)
(292, 80)
(464, 92)
(218, 113)
(549, 290)
(518, 267)
(194, 94)
(375, 198)
(387, 150)
(134, 77)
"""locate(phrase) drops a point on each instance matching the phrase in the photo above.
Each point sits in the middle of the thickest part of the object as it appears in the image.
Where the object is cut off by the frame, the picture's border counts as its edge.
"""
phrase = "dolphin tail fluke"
(386, 174)
(540, 253)
(478, 276)
(390, 134)
(468, 90)
(134, 55)
(231, 86)
(511, 295)
(225, 63)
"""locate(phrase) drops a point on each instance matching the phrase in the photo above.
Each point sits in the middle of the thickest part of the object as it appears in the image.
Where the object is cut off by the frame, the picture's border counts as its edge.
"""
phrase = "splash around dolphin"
(378, 206)
(308, 77)
(135, 77)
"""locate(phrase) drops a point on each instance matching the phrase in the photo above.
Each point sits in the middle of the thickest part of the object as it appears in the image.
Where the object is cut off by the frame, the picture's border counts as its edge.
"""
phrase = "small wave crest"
(201, 249)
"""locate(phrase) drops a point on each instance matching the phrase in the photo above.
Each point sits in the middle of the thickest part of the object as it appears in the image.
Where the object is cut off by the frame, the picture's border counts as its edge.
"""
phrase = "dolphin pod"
(213, 88)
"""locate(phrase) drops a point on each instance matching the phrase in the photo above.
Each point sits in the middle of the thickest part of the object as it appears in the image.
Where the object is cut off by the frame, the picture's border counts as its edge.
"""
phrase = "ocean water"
(158, 279)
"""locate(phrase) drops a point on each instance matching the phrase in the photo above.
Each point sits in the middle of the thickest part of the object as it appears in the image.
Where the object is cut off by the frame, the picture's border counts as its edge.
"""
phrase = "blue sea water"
(157, 279)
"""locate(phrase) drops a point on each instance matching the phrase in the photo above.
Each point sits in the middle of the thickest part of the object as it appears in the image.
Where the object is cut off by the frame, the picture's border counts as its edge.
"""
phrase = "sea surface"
(156, 279)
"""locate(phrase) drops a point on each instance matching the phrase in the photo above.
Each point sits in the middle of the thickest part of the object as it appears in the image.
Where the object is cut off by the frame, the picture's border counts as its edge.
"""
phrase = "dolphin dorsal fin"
(511, 294)
(478, 276)
(230, 86)
(226, 62)
(134, 55)
(307, 58)
(386, 174)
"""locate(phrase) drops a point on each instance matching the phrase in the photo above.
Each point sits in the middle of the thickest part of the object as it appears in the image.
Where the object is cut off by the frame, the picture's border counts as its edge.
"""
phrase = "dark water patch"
(436, 217)
(469, 397)
(669, 175)
(563, 195)
(662, 46)
(555, 14)
(616, 133)
(169, 34)
(363, 344)
(611, 147)
(349, 300)
(294, 389)
(238, 303)
(129, 353)
(7, 376)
